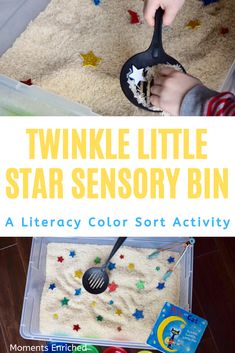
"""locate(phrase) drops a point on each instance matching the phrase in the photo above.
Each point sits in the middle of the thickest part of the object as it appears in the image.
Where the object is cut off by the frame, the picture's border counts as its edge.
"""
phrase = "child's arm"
(181, 94)
(171, 8)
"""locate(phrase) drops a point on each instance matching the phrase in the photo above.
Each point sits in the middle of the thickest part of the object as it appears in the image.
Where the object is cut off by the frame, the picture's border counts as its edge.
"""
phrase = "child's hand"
(170, 88)
(171, 8)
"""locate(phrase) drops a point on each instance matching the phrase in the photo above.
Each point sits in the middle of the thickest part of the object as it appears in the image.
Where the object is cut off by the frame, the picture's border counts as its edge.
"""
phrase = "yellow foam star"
(118, 312)
(56, 316)
(193, 24)
(93, 304)
(90, 59)
(131, 266)
(78, 274)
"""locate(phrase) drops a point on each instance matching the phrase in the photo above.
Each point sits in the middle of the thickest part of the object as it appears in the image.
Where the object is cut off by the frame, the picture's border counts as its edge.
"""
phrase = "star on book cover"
(176, 330)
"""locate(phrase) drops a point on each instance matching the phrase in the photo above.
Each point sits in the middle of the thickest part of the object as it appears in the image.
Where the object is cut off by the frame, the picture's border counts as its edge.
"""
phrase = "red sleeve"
(222, 104)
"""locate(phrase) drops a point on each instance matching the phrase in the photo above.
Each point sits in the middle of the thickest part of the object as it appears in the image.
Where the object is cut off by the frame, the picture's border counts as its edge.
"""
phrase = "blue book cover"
(176, 330)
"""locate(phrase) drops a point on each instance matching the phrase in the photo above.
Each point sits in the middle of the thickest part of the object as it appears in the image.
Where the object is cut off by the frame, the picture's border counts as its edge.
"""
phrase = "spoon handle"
(156, 44)
(117, 245)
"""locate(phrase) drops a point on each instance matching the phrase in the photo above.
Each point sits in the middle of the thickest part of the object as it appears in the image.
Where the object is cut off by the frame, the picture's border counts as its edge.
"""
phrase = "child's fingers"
(155, 100)
(166, 71)
(156, 90)
(150, 7)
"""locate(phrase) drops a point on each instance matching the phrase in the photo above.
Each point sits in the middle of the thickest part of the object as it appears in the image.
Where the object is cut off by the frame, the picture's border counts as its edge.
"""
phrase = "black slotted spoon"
(96, 280)
(154, 55)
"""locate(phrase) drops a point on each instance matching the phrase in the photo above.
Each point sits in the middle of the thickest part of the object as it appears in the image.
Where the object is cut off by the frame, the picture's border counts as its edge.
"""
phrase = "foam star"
(224, 30)
(97, 260)
(118, 312)
(161, 285)
(131, 266)
(78, 291)
(138, 314)
(99, 318)
(76, 327)
(55, 316)
(140, 284)
(121, 257)
(171, 259)
(119, 328)
(78, 274)
(97, 2)
(157, 268)
(137, 75)
(134, 17)
(60, 259)
(90, 59)
(27, 82)
(64, 301)
(52, 286)
(193, 24)
(93, 304)
(112, 287)
(72, 253)
(111, 302)
(208, 2)
(111, 266)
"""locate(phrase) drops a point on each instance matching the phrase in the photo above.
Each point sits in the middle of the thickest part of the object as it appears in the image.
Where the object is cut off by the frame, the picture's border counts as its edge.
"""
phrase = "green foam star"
(97, 260)
(140, 284)
(99, 318)
(64, 301)
(158, 268)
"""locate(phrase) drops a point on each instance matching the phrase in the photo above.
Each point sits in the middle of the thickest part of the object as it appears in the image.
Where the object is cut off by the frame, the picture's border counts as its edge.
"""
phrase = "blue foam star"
(52, 286)
(208, 2)
(111, 302)
(97, 2)
(111, 266)
(160, 285)
(138, 314)
(72, 253)
(78, 291)
(171, 259)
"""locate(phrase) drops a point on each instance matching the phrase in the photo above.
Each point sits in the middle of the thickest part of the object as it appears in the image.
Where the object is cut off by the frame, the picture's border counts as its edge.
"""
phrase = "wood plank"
(208, 346)
(24, 246)
(204, 246)
(7, 241)
(4, 348)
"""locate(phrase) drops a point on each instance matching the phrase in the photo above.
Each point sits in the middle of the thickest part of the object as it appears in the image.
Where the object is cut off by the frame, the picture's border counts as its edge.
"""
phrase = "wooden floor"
(213, 299)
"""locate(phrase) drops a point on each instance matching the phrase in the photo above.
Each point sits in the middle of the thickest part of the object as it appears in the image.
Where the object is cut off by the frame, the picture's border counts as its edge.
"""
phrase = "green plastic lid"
(85, 348)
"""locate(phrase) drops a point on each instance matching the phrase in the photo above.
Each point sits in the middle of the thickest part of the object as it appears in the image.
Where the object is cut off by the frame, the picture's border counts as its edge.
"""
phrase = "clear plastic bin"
(29, 327)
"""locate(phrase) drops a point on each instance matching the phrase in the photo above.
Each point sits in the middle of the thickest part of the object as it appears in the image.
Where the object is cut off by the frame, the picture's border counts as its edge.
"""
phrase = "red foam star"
(76, 327)
(60, 259)
(119, 328)
(27, 82)
(121, 256)
(112, 287)
(224, 30)
(134, 17)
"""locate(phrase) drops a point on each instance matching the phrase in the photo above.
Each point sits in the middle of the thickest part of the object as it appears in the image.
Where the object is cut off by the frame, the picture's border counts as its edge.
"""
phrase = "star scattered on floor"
(224, 30)
(208, 2)
(140, 284)
(78, 291)
(111, 302)
(121, 257)
(55, 316)
(93, 304)
(193, 24)
(111, 266)
(118, 312)
(138, 314)
(134, 17)
(171, 259)
(99, 318)
(27, 82)
(76, 327)
(137, 75)
(112, 287)
(97, 260)
(52, 286)
(157, 268)
(78, 274)
(72, 253)
(131, 266)
(60, 259)
(97, 2)
(64, 301)
(161, 285)
(119, 328)
(90, 59)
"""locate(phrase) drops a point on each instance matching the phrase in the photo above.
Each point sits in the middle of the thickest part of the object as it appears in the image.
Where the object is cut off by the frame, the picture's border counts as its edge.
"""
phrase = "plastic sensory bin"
(29, 327)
